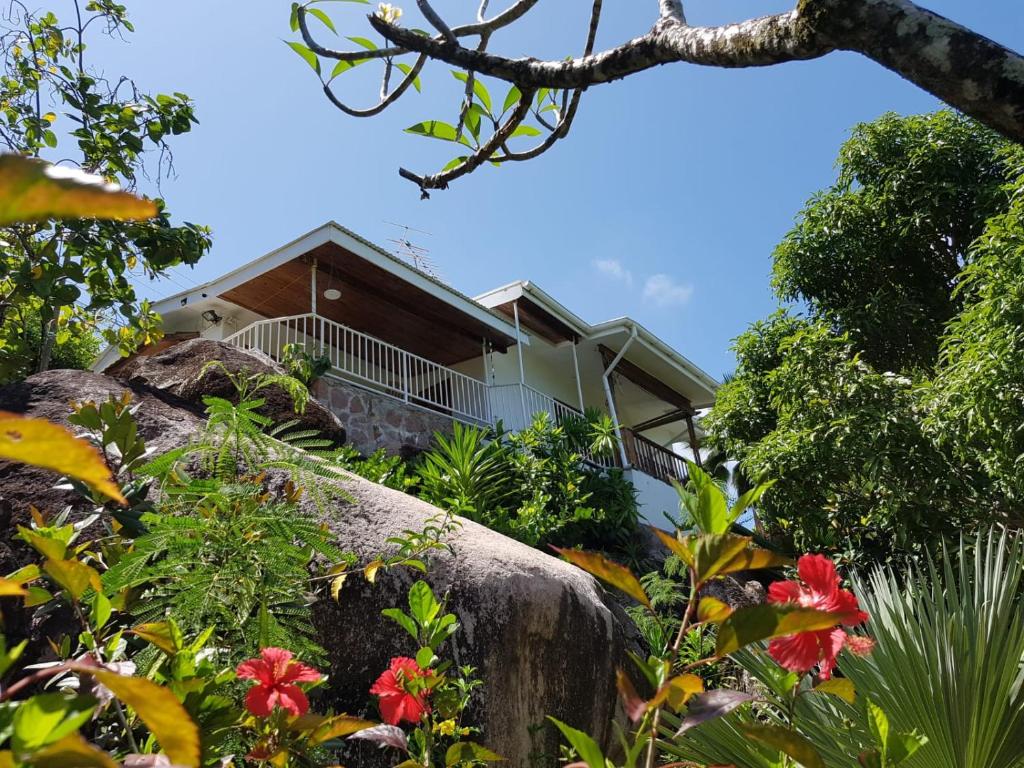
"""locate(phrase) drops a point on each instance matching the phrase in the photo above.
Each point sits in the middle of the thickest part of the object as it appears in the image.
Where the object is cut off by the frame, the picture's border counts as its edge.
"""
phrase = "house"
(410, 354)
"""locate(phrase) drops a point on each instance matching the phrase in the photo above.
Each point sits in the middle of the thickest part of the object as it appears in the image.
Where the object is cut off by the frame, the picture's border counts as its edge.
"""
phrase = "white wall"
(654, 497)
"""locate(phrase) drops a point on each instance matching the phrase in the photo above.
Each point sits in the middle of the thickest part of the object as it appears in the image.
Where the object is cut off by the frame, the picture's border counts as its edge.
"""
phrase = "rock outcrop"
(179, 371)
(543, 635)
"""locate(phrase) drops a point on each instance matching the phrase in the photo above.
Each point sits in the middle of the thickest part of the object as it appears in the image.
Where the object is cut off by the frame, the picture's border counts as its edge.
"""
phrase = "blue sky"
(664, 204)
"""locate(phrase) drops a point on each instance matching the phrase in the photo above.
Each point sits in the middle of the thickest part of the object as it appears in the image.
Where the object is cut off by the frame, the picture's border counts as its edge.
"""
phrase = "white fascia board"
(660, 348)
(247, 272)
(502, 295)
(386, 261)
(520, 288)
(335, 233)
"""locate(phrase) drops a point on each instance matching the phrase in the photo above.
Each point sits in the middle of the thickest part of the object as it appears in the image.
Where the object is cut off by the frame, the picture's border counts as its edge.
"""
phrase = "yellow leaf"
(370, 571)
(837, 686)
(44, 444)
(159, 709)
(25, 574)
(10, 588)
(158, 633)
(619, 576)
(336, 584)
(34, 190)
(52, 548)
(7, 759)
(338, 726)
(74, 576)
(712, 610)
(72, 752)
(677, 692)
(763, 622)
(675, 546)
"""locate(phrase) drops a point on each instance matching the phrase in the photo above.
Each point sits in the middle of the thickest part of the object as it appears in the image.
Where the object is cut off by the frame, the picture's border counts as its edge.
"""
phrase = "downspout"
(611, 401)
(522, 372)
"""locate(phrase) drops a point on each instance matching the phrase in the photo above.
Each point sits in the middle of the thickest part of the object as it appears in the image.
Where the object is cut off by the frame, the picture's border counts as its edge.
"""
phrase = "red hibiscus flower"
(398, 699)
(820, 590)
(276, 674)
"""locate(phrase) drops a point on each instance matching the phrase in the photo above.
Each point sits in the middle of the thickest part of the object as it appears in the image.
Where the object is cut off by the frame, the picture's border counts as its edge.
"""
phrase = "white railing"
(374, 363)
(516, 404)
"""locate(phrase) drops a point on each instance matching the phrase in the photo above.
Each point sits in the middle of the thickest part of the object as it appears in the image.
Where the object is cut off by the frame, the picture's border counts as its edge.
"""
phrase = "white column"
(611, 400)
(576, 367)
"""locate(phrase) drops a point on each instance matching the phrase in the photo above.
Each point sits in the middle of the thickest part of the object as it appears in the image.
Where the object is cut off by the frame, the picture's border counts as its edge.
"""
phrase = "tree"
(966, 70)
(877, 254)
(976, 401)
(76, 273)
(21, 342)
(851, 406)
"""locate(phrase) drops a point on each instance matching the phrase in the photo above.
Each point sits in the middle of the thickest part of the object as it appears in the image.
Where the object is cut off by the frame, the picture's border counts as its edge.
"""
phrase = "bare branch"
(672, 9)
(436, 21)
(758, 42)
(385, 101)
(481, 155)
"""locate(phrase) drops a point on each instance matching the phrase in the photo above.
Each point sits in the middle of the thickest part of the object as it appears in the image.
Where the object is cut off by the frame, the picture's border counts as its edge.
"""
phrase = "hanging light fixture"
(332, 294)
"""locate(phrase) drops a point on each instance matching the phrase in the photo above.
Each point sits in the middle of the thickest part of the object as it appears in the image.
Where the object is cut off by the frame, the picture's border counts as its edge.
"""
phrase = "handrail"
(372, 361)
(652, 459)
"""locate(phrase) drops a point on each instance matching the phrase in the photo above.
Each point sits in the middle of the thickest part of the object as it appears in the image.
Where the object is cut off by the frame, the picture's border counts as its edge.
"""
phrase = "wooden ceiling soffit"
(537, 319)
(339, 263)
(646, 381)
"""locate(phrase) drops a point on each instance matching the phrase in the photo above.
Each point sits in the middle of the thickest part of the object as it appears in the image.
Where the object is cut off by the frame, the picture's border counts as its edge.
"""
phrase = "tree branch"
(964, 69)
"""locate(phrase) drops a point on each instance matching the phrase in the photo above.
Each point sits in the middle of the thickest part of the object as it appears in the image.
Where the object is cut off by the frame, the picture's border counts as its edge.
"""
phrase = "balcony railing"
(373, 363)
(652, 459)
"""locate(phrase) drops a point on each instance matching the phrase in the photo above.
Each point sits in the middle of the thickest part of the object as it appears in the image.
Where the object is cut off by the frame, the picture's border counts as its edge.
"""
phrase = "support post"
(576, 367)
(611, 400)
(522, 371)
(312, 286)
(694, 443)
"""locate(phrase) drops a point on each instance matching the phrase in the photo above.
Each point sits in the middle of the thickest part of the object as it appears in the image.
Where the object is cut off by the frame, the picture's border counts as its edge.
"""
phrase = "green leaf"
(47, 718)
(878, 725)
(324, 18)
(293, 19)
(511, 99)
(425, 656)
(469, 752)
(422, 604)
(364, 43)
(307, 55)
(435, 129)
(902, 746)
(585, 746)
(33, 190)
(762, 622)
(406, 70)
(345, 66)
(455, 162)
(479, 89)
(787, 741)
(524, 130)
(101, 610)
(619, 576)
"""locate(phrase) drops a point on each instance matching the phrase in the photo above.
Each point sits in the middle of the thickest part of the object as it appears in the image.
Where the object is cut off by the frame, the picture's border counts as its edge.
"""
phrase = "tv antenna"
(407, 250)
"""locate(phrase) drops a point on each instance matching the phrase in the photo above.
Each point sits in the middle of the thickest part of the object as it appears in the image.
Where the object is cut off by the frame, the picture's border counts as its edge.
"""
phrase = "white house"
(409, 354)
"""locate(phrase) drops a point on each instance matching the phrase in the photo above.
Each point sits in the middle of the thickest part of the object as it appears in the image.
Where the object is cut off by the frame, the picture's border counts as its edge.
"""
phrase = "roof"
(332, 232)
(702, 386)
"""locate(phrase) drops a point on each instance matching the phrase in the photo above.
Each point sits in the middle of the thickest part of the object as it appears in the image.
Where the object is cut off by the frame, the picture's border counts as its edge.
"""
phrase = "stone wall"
(375, 421)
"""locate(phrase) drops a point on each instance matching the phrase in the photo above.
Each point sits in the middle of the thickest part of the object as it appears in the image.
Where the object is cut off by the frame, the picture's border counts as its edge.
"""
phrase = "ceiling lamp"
(332, 294)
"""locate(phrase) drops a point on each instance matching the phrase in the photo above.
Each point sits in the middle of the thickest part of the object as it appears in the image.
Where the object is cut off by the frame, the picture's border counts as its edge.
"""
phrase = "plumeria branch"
(968, 71)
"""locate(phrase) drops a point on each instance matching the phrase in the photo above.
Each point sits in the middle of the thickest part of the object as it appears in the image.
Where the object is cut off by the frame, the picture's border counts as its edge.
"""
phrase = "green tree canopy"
(881, 444)
(878, 253)
(51, 103)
